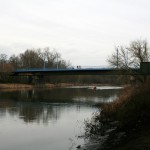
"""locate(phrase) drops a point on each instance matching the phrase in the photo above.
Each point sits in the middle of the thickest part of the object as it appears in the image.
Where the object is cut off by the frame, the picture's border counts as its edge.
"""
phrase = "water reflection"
(47, 118)
(44, 105)
(34, 112)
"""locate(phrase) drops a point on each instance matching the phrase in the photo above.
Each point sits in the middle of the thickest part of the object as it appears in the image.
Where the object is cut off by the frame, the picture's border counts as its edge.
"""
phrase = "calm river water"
(48, 119)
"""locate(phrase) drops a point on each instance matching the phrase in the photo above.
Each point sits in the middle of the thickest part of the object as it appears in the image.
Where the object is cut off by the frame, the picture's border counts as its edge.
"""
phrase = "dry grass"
(131, 114)
(132, 111)
(130, 100)
(30, 86)
(14, 86)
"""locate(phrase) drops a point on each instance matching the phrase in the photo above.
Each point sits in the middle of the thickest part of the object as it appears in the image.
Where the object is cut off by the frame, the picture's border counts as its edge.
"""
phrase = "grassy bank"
(14, 86)
(125, 121)
(45, 85)
(29, 86)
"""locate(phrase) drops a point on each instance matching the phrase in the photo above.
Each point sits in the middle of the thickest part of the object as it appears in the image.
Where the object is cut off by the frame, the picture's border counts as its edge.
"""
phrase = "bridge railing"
(88, 67)
(72, 67)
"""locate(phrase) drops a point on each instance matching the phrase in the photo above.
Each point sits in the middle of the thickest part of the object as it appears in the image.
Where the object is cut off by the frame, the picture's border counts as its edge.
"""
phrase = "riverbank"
(125, 122)
(30, 86)
(46, 85)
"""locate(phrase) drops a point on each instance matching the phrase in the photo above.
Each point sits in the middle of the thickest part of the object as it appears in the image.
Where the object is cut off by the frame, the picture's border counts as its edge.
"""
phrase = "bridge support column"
(40, 79)
(30, 79)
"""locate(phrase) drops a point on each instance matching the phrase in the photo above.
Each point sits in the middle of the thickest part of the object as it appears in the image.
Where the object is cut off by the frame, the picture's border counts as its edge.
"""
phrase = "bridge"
(72, 71)
(143, 70)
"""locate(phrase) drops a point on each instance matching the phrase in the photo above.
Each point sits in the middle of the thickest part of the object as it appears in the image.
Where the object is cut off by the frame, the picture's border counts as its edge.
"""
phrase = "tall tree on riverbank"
(30, 59)
(130, 56)
(14, 61)
(3, 62)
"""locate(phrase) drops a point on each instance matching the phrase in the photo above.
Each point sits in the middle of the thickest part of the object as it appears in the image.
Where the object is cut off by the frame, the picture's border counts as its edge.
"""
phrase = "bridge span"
(72, 71)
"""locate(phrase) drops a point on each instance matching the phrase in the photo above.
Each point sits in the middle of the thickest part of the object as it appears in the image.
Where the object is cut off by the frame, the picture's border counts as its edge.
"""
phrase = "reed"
(14, 86)
(128, 117)
(132, 105)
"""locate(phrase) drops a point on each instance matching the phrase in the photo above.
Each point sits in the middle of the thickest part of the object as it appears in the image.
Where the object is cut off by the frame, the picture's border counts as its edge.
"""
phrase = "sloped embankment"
(126, 121)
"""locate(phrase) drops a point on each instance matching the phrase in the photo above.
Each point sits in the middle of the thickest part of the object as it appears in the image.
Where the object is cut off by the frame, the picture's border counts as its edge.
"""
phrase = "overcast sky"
(83, 31)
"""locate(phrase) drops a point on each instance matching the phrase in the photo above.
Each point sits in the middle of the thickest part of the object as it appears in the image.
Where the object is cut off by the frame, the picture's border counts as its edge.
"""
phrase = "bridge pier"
(30, 79)
(40, 80)
(36, 79)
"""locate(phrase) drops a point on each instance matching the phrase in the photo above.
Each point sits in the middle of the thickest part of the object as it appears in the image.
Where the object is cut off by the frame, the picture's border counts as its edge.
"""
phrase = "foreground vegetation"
(125, 122)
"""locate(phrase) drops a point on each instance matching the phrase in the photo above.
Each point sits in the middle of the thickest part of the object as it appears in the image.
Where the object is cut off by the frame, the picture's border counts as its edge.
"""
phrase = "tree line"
(33, 58)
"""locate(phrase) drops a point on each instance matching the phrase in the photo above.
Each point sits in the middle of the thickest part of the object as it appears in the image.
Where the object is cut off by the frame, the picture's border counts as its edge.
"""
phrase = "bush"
(128, 114)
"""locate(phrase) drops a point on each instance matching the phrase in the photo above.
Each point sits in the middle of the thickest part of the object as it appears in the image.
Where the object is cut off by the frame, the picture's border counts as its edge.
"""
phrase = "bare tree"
(14, 61)
(3, 61)
(30, 59)
(130, 56)
(139, 52)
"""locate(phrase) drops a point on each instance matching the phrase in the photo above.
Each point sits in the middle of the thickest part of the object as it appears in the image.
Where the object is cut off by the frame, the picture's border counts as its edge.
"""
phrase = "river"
(48, 119)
